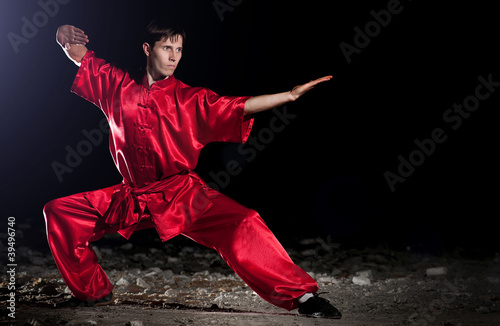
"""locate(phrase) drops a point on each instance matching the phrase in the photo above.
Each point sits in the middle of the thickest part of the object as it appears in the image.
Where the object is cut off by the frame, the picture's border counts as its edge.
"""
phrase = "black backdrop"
(324, 172)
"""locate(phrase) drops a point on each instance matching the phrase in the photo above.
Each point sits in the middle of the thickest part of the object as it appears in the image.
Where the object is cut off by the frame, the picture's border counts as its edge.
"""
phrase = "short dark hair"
(159, 29)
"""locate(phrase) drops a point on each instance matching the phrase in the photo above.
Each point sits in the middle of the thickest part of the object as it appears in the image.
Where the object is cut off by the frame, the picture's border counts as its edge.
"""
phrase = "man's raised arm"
(73, 41)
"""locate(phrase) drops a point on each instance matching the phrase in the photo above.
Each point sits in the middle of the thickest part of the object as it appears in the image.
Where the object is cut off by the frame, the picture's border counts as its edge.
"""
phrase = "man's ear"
(147, 48)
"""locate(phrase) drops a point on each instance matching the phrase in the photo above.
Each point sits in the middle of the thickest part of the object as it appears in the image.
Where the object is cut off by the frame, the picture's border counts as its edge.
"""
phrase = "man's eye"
(179, 50)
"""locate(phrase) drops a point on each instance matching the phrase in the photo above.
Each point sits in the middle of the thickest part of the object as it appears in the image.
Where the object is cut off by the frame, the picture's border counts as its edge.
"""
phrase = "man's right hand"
(67, 36)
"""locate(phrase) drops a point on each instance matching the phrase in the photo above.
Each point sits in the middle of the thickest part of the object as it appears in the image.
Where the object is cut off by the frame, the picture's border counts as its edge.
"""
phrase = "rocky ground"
(181, 283)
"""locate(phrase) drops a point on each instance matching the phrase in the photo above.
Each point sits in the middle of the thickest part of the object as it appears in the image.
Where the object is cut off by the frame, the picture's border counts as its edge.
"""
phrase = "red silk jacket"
(156, 136)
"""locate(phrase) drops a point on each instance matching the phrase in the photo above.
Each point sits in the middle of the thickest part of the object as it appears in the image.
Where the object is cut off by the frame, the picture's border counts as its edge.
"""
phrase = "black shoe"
(319, 308)
(74, 302)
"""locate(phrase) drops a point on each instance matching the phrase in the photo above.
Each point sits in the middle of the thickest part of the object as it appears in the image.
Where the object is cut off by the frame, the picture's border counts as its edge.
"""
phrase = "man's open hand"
(68, 35)
(300, 90)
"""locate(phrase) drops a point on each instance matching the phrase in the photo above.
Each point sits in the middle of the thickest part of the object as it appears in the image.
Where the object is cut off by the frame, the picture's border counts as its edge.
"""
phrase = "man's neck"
(151, 78)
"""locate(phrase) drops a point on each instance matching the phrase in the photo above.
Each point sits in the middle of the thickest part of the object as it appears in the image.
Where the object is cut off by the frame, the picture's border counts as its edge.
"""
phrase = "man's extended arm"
(266, 102)
(73, 41)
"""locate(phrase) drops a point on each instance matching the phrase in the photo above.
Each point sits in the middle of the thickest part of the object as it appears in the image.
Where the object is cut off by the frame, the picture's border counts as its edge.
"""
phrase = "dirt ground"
(181, 283)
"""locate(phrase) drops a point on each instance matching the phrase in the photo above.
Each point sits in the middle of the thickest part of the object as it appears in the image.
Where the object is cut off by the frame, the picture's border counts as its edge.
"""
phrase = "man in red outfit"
(158, 126)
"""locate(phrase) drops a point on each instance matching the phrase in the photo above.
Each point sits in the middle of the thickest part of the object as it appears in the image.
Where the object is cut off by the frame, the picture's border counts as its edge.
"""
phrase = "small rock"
(412, 317)
(308, 242)
(367, 274)
(139, 257)
(483, 310)
(135, 323)
(172, 293)
(327, 279)
(181, 279)
(127, 246)
(153, 271)
(188, 249)
(107, 251)
(493, 280)
(140, 282)
(308, 252)
(172, 259)
(168, 274)
(336, 272)
(435, 271)
(122, 281)
(361, 280)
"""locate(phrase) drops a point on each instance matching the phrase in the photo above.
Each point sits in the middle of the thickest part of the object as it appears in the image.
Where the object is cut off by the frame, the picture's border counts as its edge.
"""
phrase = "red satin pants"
(238, 234)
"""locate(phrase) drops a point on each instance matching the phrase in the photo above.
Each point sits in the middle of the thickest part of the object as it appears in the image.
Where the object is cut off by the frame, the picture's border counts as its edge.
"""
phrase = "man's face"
(164, 57)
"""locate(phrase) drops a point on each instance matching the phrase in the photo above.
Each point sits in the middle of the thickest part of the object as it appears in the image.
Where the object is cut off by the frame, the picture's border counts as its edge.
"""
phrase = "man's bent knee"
(52, 209)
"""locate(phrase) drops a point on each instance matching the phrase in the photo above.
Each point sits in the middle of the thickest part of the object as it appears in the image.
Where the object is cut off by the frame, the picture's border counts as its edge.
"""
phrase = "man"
(158, 126)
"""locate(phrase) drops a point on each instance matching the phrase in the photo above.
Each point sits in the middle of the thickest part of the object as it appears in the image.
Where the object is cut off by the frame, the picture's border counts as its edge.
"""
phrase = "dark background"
(324, 173)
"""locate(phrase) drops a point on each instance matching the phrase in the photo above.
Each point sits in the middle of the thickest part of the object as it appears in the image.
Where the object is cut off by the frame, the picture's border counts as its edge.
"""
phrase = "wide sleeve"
(223, 118)
(96, 80)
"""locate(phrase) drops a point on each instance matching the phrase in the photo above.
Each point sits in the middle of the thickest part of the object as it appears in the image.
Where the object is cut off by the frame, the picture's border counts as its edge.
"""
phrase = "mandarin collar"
(159, 84)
